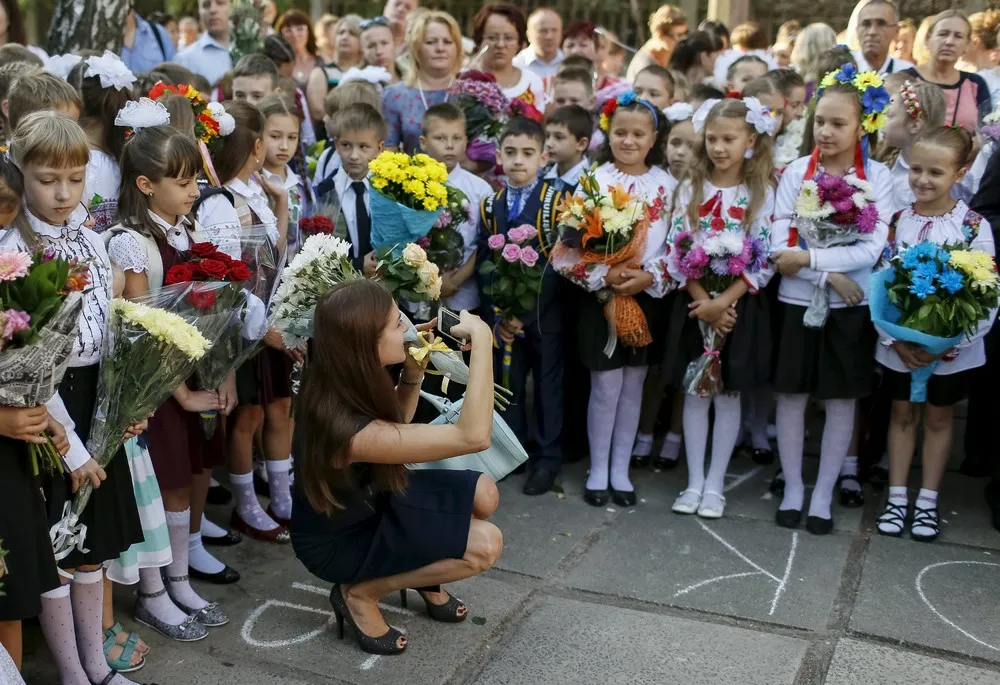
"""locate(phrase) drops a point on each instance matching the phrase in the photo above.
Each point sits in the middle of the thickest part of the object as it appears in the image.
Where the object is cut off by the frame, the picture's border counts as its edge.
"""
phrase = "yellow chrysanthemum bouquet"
(148, 353)
(934, 296)
(408, 194)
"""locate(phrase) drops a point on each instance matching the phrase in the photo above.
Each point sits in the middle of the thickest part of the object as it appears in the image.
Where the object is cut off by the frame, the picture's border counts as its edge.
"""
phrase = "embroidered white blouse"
(298, 204)
(854, 261)
(655, 186)
(955, 227)
(102, 188)
(723, 210)
(125, 251)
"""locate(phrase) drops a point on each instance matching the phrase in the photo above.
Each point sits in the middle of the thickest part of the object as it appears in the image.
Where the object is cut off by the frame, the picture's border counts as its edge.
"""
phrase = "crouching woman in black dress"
(360, 519)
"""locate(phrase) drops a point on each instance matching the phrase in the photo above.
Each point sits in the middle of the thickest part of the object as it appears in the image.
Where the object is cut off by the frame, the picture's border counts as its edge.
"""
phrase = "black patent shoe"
(540, 482)
(640, 461)
(788, 518)
(849, 497)
(622, 498)
(763, 457)
(596, 498)
(664, 464)
(819, 526)
(226, 576)
(386, 645)
(452, 611)
(777, 486)
(232, 537)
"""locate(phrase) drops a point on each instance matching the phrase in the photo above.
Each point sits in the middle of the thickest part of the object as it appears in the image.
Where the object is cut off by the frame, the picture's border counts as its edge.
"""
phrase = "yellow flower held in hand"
(165, 326)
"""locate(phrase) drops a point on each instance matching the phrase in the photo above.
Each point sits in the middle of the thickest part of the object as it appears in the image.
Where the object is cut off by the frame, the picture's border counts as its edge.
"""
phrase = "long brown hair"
(100, 108)
(345, 386)
(230, 153)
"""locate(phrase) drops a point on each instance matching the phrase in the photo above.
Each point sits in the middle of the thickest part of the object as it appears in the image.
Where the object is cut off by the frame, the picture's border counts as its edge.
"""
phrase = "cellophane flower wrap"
(716, 259)
(149, 351)
(251, 280)
(608, 226)
(411, 277)
(934, 296)
(486, 110)
(41, 297)
(445, 245)
(408, 194)
(513, 280)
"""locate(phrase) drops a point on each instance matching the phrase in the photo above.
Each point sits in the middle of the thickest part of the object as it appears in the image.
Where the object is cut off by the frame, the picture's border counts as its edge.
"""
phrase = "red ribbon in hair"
(859, 171)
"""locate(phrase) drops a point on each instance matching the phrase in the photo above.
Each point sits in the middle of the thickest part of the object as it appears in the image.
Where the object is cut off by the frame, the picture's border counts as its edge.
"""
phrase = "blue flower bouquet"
(933, 296)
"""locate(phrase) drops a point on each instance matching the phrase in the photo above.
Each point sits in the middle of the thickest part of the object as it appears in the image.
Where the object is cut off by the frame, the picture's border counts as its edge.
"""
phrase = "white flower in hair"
(61, 65)
(374, 75)
(225, 120)
(760, 117)
(699, 117)
(145, 113)
(679, 111)
(111, 70)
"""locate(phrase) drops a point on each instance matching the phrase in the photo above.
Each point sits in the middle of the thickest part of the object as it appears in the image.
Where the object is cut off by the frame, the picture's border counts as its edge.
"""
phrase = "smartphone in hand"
(446, 321)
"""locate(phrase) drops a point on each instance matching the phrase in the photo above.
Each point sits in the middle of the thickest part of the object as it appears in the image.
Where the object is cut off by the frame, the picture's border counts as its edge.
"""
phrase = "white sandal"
(689, 505)
(712, 512)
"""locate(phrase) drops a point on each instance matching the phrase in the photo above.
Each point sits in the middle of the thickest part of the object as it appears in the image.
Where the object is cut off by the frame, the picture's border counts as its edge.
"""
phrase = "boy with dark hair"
(702, 92)
(573, 87)
(444, 139)
(744, 70)
(255, 77)
(568, 131)
(536, 335)
(361, 134)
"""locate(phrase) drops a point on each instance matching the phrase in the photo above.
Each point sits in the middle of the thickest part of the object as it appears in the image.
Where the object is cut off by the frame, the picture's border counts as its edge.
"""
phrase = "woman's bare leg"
(486, 500)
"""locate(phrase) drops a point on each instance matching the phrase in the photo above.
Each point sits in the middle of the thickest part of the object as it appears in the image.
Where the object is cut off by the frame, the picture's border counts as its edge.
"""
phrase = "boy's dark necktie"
(364, 219)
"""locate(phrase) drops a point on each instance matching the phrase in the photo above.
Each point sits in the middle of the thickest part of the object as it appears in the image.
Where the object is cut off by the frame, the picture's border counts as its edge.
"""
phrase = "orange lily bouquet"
(609, 228)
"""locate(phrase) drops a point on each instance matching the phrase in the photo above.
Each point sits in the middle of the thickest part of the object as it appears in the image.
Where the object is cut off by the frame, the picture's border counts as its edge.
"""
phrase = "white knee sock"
(643, 445)
(724, 435)
(605, 389)
(179, 527)
(791, 415)
(200, 558)
(850, 468)
(626, 424)
(837, 433)
(210, 530)
(696, 438)
(671, 447)
(60, 635)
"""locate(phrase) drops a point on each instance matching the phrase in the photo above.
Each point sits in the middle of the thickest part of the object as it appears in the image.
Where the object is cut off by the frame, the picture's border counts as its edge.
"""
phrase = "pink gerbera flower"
(14, 264)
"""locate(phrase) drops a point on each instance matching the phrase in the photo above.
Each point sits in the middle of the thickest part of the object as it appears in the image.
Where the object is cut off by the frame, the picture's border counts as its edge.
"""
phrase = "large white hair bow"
(679, 111)
(145, 113)
(111, 70)
(760, 117)
(699, 117)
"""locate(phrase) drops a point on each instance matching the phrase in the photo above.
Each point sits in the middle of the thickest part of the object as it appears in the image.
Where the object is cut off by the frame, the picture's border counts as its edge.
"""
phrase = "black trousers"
(539, 352)
(984, 407)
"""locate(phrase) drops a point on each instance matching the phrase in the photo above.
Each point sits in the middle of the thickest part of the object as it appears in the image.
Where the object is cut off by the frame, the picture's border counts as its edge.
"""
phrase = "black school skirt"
(746, 353)
(593, 335)
(24, 532)
(836, 362)
(111, 516)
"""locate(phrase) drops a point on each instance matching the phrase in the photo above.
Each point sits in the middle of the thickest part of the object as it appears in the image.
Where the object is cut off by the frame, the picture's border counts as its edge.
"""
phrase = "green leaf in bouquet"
(503, 284)
(520, 288)
(527, 302)
(487, 268)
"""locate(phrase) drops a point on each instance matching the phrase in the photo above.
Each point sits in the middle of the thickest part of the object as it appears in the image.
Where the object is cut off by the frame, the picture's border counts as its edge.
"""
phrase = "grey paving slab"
(749, 569)
(861, 663)
(540, 531)
(565, 641)
(965, 518)
(935, 595)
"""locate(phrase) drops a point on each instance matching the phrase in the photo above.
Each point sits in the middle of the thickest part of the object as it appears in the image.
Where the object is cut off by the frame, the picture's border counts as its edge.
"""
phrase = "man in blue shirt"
(146, 44)
(209, 55)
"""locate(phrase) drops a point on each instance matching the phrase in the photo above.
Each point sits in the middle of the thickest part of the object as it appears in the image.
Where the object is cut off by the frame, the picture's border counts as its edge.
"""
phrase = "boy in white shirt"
(445, 140)
(568, 131)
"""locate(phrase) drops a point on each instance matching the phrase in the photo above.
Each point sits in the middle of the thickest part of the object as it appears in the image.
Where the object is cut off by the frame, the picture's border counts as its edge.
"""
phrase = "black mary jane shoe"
(622, 498)
(444, 613)
(819, 526)
(219, 496)
(226, 576)
(664, 464)
(232, 537)
(596, 498)
(777, 486)
(788, 518)
(640, 461)
(849, 497)
(763, 457)
(540, 482)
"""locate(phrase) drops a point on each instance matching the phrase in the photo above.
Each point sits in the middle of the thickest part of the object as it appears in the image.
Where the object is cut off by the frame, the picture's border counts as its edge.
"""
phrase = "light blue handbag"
(503, 456)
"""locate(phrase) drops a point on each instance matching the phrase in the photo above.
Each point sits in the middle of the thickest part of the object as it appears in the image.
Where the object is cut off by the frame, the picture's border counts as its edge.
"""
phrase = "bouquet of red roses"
(311, 225)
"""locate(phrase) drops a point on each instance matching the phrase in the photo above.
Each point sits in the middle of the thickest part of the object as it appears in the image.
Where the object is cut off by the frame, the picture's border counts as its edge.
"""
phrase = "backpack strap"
(208, 191)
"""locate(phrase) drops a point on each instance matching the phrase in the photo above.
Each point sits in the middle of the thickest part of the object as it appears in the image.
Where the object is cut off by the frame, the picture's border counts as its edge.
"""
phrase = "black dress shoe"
(226, 576)
(232, 537)
(520, 469)
(622, 498)
(664, 464)
(540, 482)
(849, 497)
(788, 518)
(219, 495)
(819, 526)
(640, 461)
(777, 486)
(762, 456)
(595, 498)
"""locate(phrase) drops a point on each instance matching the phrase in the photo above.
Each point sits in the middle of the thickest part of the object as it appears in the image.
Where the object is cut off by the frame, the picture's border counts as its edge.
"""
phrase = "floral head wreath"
(210, 118)
(626, 99)
(112, 71)
(871, 92)
(910, 100)
(758, 116)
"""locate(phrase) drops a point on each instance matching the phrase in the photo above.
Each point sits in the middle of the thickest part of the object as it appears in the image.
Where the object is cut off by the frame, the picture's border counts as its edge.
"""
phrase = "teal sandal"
(123, 664)
(118, 629)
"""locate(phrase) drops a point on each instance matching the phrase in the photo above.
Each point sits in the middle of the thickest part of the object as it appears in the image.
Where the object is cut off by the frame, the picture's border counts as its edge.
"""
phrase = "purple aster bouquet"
(716, 259)
(486, 109)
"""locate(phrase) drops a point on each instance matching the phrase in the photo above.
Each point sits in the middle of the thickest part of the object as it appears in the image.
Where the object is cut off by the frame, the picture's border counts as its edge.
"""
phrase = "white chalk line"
(782, 583)
(742, 478)
(920, 591)
(248, 625)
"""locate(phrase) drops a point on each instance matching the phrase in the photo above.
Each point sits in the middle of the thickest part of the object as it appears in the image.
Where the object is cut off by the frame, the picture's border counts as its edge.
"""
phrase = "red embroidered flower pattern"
(718, 223)
(737, 213)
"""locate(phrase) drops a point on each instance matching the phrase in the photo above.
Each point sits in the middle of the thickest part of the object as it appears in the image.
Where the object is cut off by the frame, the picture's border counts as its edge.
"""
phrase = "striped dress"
(154, 550)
